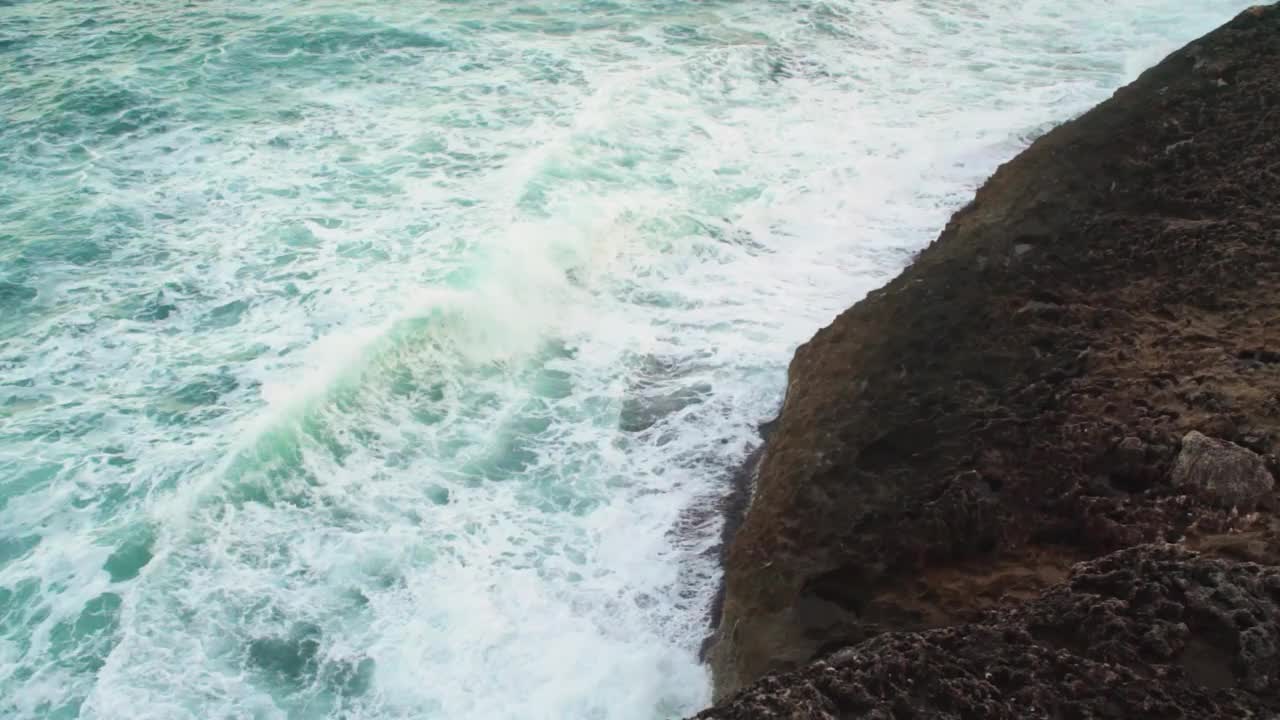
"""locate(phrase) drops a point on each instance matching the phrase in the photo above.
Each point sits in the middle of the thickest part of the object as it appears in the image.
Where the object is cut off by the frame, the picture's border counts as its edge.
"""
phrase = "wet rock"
(1224, 473)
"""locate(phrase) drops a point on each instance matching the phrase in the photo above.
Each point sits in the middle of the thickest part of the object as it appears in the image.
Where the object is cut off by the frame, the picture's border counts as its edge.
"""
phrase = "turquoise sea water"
(386, 360)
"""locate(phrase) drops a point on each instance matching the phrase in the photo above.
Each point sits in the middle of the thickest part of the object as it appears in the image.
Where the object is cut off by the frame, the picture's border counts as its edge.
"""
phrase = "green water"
(387, 360)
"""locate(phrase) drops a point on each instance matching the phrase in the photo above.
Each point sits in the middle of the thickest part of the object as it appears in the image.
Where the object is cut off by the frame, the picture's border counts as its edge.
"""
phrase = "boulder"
(1222, 472)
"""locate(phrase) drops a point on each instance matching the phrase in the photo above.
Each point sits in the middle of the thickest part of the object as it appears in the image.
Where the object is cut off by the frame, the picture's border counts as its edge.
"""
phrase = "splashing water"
(367, 360)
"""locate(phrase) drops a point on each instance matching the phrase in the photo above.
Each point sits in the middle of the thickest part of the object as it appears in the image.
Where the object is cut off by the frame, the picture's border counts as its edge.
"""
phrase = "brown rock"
(1014, 403)
(1150, 632)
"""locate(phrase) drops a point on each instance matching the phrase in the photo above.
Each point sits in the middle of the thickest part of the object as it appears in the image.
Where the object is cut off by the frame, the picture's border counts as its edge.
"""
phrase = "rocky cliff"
(1033, 475)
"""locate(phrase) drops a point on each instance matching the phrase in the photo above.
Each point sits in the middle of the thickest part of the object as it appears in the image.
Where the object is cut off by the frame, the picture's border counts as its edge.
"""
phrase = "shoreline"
(733, 511)
(1076, 378)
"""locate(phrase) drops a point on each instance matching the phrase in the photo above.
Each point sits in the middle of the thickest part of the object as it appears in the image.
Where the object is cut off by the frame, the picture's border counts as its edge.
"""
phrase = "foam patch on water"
(368, 362)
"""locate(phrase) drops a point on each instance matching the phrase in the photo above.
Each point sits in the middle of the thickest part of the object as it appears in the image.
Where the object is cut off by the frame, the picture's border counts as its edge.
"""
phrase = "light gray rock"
(1221, 472)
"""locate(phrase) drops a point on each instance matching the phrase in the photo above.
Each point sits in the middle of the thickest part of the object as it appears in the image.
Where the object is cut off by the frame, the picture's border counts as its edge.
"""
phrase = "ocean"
(367, 360)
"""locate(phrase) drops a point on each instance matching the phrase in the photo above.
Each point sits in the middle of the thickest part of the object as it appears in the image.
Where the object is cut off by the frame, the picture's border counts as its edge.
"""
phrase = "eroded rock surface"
(1015, 403)
(1152, 631)
(1223, 473)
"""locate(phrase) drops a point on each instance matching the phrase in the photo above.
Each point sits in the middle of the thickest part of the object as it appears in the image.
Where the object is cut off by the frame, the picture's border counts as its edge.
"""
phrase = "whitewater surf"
(366, 361)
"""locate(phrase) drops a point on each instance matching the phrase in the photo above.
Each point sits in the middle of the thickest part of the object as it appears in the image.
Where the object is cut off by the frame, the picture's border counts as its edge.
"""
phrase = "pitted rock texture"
(1016, 401)
(1148, 632)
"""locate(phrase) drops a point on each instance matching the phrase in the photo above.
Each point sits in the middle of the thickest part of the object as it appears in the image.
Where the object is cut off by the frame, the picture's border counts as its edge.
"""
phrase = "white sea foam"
(468, 306)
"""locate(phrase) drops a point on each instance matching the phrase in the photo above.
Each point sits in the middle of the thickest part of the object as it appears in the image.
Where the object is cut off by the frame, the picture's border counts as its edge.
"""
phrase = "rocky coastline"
(1033, 476)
